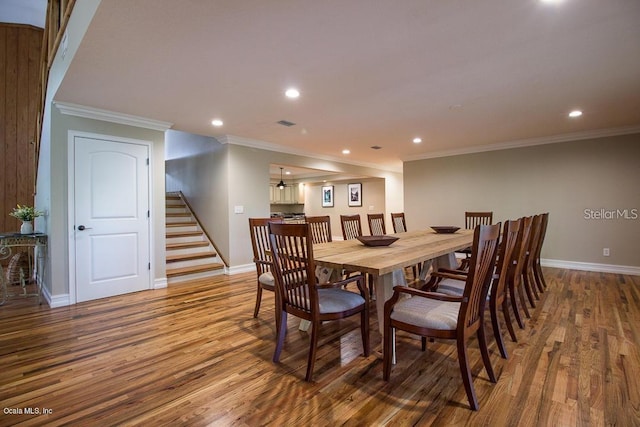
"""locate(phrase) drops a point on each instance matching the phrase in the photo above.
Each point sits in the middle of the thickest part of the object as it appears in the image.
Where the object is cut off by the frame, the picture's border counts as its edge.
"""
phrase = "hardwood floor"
(193, 354)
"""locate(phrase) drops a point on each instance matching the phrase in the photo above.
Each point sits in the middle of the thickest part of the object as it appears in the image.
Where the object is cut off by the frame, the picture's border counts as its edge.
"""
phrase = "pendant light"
(281, 184)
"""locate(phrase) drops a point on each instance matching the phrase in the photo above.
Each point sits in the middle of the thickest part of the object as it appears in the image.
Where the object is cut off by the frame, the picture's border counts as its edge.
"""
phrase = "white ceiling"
(462, 74)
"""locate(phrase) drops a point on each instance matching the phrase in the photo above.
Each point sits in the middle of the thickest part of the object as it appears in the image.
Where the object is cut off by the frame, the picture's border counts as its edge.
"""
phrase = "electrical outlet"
(605, 251)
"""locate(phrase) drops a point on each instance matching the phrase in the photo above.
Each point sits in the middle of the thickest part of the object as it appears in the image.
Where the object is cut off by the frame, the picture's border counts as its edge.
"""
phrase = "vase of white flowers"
(26, 214)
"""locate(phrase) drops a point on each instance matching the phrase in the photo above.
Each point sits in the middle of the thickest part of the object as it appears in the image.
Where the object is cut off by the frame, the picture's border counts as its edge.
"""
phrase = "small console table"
(36, 244)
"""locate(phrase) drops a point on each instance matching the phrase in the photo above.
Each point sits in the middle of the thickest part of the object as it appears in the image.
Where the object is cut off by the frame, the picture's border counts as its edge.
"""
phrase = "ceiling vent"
(286, 123)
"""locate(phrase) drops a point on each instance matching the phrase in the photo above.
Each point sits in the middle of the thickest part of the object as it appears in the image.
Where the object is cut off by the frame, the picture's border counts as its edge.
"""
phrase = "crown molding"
(567, 137)
(263, 145)
(111, 116)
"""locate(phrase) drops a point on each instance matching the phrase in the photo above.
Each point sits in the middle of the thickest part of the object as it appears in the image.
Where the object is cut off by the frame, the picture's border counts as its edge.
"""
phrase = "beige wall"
(54, 197)
(563, 179)
(238, 176)
(373, 201)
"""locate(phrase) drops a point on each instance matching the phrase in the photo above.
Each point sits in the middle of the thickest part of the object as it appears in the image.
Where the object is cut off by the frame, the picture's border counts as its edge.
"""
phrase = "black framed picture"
(354, 192)
(327, 196)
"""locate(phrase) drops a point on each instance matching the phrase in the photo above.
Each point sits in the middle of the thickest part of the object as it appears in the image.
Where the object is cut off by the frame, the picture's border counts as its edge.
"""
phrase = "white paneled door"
(111, 218)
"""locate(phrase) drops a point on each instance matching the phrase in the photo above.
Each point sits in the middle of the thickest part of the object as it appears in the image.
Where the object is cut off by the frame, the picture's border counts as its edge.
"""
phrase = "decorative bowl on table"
(445, 229)
(377, 240)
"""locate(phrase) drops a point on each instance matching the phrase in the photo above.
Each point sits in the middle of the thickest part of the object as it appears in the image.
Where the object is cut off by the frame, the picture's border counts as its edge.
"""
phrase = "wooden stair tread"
(187, 257)
(194, 269)
(186, 245)
(184, 234)
(181, 224)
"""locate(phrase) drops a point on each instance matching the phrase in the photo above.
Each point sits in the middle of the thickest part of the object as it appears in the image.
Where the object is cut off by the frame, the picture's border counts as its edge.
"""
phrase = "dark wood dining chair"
(259, 230)
(452, 282)
(537, 267)
(515, 282)
(400, 226)
(471, 220)
(528, 275)
(320, 228)
(301, 296)
(376, 224)
(351, 226)
(435, 315)
(399, 223)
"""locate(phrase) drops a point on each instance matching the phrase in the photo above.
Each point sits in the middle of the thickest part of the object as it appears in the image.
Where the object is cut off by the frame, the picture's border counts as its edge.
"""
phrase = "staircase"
(190, 254)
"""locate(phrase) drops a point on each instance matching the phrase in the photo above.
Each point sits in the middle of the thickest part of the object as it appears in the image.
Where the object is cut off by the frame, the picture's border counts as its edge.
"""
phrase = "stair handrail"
(186, 202)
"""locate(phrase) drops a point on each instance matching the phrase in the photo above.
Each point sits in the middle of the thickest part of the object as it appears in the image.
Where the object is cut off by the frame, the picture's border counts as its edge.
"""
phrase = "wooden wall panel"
(20, 47)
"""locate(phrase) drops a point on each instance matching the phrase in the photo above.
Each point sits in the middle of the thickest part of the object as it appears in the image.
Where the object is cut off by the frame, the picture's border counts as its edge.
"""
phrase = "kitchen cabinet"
(287, 196)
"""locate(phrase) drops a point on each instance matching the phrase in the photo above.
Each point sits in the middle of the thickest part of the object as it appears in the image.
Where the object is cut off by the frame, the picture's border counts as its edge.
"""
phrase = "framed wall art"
(327, 196)
(354, 192)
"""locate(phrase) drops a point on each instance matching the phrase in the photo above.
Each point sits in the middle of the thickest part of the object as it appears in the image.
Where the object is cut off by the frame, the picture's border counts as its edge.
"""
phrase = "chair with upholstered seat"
(259, 231)
(537, 267)
(320, 228)
(351, 226)
(300, 295)
(435, 315)
(515, 281)
(528, 271)
(376, 224)
(471, 221)
(452, 282)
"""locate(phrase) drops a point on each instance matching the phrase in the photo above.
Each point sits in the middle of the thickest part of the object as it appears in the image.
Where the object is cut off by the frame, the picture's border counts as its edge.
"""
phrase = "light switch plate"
(238, 209)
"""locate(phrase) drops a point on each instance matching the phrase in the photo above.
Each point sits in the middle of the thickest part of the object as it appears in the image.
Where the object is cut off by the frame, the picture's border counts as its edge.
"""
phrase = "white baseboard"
(160, 283)
(591, 266)
(60, 300)
(237, 269)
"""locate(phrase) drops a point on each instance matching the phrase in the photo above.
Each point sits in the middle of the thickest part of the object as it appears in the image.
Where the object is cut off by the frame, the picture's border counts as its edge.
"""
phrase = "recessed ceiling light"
(287, 173)
(217, 122)
(292, 93)
(417, 140)
(345, 151)
(552, 1)
(575, 113)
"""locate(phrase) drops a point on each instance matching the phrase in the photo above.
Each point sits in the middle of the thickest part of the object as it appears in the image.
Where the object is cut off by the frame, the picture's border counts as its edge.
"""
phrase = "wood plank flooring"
(193, 354)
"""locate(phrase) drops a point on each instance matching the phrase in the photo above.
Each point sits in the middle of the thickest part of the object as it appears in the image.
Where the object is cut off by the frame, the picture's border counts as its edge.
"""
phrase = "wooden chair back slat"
(351, 226)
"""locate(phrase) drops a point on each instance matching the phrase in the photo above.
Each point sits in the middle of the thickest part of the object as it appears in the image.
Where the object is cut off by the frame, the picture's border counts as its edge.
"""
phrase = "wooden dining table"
(386, 264)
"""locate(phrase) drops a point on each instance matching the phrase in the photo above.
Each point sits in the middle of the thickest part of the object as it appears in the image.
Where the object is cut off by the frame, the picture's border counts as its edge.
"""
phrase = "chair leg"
(514, 304)
(387, 351)
(496, 331)
(424, 343)
(523, 303)
(364, 331)
(529, 287)
(537, 271)
(484, 351)
(282, 330)
(313, 346)
(465, 371)
(507, 320)
(258, 301)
